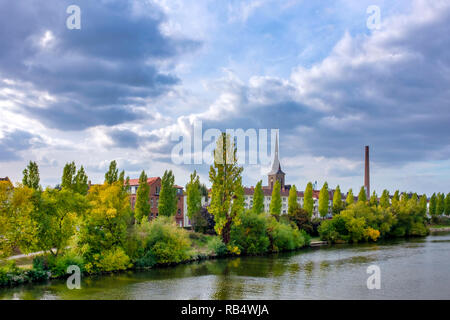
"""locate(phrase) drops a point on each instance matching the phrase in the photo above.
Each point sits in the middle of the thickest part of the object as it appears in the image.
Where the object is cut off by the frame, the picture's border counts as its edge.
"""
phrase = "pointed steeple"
(276, 166)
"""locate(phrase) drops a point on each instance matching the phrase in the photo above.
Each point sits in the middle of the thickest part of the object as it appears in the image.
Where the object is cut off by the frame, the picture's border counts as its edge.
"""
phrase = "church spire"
(276, 166)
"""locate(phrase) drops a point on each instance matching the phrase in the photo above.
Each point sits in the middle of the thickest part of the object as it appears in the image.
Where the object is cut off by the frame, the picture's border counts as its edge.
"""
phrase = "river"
(410, 269)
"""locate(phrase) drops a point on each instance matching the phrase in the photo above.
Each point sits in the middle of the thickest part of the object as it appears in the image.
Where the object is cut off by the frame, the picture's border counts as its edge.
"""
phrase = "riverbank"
(439, 229)
(328, 272)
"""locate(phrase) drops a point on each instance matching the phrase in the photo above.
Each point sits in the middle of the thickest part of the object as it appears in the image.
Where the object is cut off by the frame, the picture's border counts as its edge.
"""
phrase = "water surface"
(410, 269)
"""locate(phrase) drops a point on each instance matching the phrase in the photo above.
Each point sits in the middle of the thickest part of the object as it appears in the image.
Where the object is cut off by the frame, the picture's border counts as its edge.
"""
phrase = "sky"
(139, 72)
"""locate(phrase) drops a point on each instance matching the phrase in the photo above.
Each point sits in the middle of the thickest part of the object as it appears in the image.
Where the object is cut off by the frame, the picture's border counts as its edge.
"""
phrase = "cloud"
(97, 74)
(12, 143)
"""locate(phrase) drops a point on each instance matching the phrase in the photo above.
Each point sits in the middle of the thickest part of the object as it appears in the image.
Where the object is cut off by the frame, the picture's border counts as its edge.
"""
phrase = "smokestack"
(367, 174)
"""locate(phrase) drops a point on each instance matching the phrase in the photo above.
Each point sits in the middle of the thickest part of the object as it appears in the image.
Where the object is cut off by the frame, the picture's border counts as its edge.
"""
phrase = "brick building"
(155, 188)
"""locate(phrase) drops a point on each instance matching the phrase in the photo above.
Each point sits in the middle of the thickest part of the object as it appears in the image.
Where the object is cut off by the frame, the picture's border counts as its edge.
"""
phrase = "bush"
(58, 265)
(217, 246)
(302, 220)
(250, 236)
(327, 231)
(285, 236)
(166, 242)
(148, 260)
(114, 260)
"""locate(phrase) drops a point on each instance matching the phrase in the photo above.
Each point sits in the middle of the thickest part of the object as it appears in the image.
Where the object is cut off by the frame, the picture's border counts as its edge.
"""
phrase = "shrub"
(285, 236)
(327, 231)
(114, 260)
(58, 265)
(302, 220)
(250, 235)
(166, 242)
(217, 246)
(148, 260)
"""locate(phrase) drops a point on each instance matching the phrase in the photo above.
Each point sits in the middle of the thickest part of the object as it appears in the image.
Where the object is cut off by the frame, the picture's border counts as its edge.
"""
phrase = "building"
(155, 188)
(6, 179)
(276, 174)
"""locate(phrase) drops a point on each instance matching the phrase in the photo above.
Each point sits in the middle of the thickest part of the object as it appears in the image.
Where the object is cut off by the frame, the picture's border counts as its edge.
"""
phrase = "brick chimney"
(367, 174)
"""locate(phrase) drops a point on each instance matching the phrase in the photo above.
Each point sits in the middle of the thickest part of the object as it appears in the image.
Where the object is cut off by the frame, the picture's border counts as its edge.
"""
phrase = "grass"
(200, 242)
(439, 226)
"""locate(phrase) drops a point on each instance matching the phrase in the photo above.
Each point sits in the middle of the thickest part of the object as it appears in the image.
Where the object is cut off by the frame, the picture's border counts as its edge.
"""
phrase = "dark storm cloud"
(12, 143)
(95, 72)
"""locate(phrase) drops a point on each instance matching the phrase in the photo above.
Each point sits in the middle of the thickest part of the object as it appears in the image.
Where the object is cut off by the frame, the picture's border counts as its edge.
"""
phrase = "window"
(179, 212)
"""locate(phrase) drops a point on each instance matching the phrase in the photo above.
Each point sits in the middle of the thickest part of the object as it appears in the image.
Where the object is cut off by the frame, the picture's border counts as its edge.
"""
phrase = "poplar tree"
(414, 198)
(275, 202)
(447, 204)
(384, 200)
(67, 180)
(31, 176)
(395, 198)
(292, 200)
(423, 204)
(142, 207)
(324, 198)
(81, 182)
(167, 205)
(337, 201)
(111, 175)
(308, 202)
(362, 197)
(373, 199)
(350, 197)
(440, 204)
(258, 198)
(194, 197)
(432, 205)
(227, 195)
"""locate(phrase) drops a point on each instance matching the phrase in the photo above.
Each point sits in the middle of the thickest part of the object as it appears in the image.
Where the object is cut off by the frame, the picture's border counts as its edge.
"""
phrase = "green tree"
(324, 198)
(440, 204)
(275, 202)
(414, 198)
(447, 204)
(373, 199)
(227, 199)
(81, 182)
(292, 200)
(167, 205)
(142, 207)
(362, 197)
(258, 198)
(103, 229)
(31, 176)
(350, 197)
(18, 226)
(404, 198)
(194, 197)
(384, 200)
(395, 198)
(423, 204)
(69, 172)
(308, 202)
(111, 175)
(432, 205)
(337, 201)
(56, 215)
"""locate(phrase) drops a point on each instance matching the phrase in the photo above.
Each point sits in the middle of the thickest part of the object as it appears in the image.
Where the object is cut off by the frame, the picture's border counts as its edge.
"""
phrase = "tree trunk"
(226, 231)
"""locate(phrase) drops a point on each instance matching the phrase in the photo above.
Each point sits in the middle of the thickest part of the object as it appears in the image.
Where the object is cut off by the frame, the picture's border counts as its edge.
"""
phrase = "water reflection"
(417, 268)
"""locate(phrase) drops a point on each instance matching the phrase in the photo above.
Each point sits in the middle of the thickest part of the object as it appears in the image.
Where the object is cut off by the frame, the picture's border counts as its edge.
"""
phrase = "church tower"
(276, 173)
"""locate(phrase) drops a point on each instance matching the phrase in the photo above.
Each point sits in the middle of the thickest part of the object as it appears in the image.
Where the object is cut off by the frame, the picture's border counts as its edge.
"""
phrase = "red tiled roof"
(135, 182)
